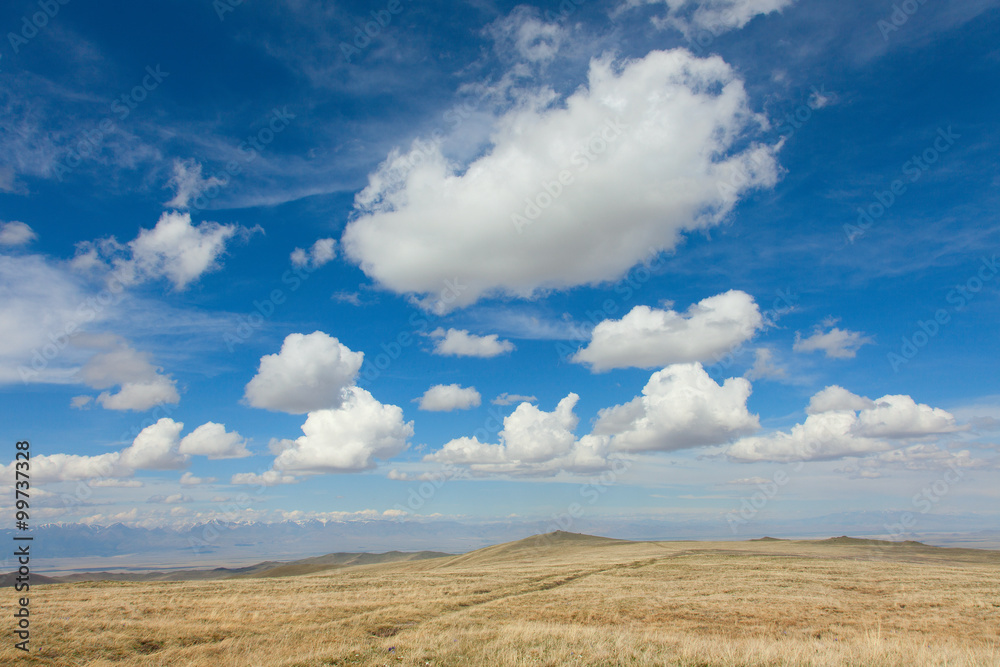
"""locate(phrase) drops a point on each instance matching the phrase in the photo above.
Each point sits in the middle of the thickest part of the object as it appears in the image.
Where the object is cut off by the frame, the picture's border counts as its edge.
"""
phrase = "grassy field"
(557, 600)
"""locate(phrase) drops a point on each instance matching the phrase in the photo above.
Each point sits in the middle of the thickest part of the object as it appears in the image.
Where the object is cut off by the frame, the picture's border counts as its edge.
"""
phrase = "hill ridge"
(269, 568)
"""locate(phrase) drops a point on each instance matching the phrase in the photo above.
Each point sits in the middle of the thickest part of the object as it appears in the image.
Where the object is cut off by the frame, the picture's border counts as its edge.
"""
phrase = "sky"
(730, 262)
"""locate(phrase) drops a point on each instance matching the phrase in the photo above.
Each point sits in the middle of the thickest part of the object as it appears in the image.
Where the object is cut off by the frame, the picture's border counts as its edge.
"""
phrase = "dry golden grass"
(567, 601)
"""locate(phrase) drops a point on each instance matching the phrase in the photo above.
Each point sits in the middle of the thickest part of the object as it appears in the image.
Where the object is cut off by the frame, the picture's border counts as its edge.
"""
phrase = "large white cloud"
(645, 151)
(843, 424)
(47, 468)
(460, 343)
(141, 384)
(447, 397)
(680, 407)
(156, 447)
(212, 440)
(345, 439)
(177, 250)
(311, 372)
(835, 398)
(532, 441)
(828, 435)
(532, 435)
(649, 337)
(173, 249)
(902, 417)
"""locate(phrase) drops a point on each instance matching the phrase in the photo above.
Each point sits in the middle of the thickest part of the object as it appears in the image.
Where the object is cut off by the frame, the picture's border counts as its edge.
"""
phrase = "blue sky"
(630, 261)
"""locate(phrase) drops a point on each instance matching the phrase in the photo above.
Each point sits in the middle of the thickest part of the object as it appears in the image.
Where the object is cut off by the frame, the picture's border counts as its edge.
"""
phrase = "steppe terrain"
(557, 599)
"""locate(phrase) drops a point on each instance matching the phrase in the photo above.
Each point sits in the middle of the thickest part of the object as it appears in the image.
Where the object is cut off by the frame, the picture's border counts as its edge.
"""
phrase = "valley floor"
(561, 599)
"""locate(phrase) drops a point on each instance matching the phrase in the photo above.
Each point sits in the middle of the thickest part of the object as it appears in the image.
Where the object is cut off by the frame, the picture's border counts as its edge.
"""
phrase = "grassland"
(559, 600)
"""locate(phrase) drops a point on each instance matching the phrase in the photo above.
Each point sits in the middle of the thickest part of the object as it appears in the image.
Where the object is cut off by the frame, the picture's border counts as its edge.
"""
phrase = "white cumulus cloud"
(213, 441)
(836, 343)
(680, 407)
(189, 479)
(140, 395)
(902, 417)
(461, 343)
(141, 386)
(156, 447)
(648, 149)
(310, 372)
(345, 439)
(173, 249)
(843, 424)
(649, 337)
(835, 398)
(531, 439)
(322, 252)
(16, 233)
(448, 397)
